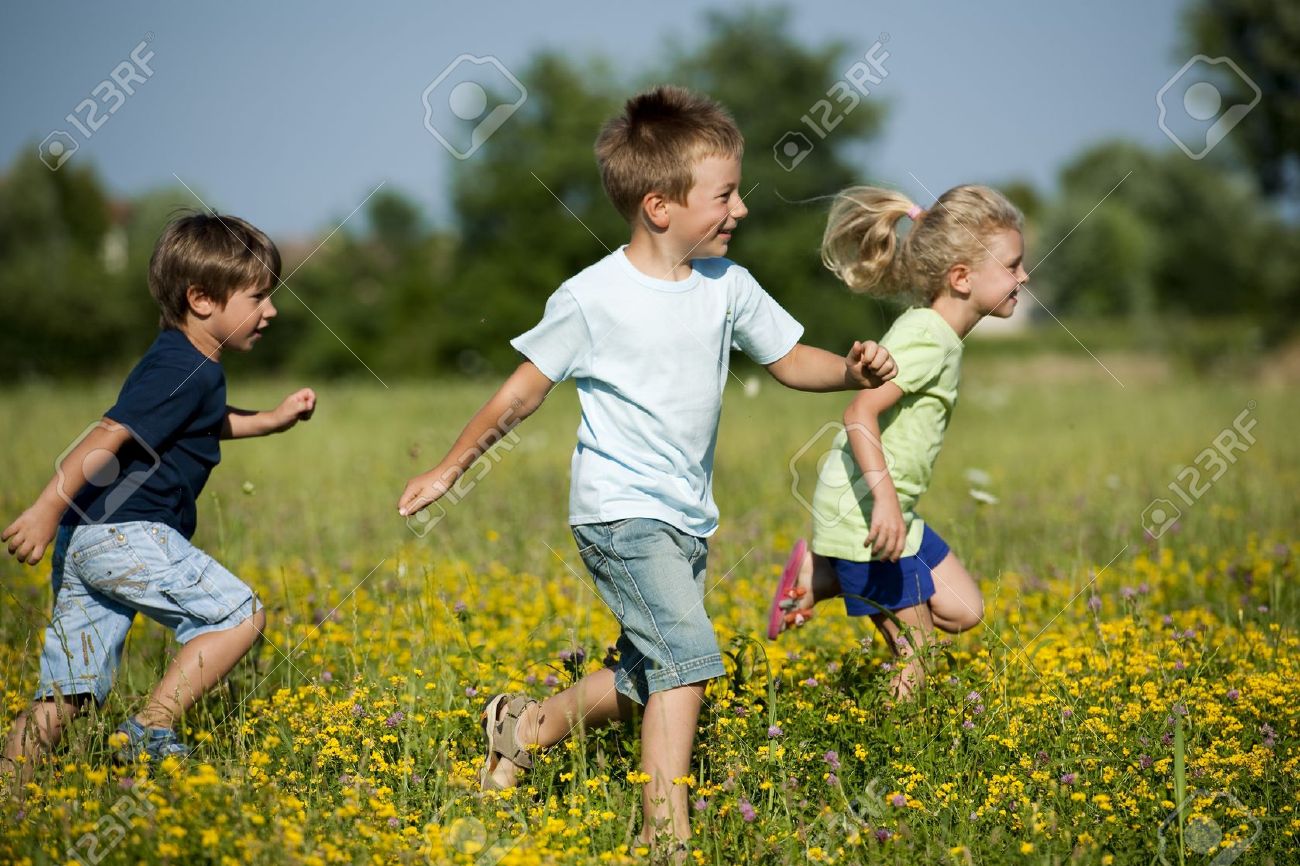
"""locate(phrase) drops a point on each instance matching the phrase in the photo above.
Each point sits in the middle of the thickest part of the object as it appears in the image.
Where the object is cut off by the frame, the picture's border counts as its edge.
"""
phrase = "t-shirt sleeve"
(919, 356)
(762, 329)
(158, 400)
(560, 344)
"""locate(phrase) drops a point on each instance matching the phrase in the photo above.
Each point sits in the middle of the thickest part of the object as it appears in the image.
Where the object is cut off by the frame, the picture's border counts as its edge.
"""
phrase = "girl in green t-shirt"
(962, 260)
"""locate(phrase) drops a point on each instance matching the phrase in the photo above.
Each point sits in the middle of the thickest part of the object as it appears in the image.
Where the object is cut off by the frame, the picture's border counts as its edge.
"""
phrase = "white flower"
(752, 384)
(978, 477)
(983, 496)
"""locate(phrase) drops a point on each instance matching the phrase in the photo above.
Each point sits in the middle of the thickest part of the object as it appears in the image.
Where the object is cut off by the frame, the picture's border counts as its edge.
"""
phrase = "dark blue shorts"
(891, 585)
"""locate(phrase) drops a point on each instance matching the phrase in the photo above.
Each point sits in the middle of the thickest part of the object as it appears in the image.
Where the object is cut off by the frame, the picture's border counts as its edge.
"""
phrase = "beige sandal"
(501, 739)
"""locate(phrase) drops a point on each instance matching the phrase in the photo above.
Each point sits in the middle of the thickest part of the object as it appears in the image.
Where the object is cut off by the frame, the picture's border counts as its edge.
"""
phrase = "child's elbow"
(855, 417)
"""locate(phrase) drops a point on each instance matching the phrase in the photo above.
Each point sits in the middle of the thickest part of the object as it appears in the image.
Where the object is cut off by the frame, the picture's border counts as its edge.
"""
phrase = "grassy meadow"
(1116, 677)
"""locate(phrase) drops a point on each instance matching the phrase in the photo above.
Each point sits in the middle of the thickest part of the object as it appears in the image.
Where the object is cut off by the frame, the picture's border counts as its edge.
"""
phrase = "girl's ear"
(655, 209)
(959, 280)
(200, 304)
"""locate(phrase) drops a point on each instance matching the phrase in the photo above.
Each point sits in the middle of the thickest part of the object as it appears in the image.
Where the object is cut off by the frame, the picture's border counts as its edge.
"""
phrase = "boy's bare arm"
(243, 423)
(29, 535)
(806, 368)
(514, 401)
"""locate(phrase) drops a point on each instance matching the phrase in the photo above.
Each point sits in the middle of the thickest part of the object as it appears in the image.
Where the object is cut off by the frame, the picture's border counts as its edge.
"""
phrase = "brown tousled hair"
(220, 254)
(654, 144)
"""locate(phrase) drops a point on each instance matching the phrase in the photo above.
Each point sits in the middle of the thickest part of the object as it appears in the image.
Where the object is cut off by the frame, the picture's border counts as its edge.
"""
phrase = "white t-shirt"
(650, 359)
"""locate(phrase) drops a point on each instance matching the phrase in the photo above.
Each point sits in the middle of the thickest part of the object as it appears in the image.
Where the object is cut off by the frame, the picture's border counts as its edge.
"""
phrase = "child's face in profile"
(239, 324)
(995, 282)
(703, 225)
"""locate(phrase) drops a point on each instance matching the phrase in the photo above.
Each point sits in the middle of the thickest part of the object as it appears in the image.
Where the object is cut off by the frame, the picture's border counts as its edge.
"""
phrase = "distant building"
(114, 249)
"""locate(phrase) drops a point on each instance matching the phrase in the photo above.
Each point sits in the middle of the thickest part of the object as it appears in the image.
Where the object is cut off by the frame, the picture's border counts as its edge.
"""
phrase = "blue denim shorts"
(891, 585)
(103, 575)
(652, 577)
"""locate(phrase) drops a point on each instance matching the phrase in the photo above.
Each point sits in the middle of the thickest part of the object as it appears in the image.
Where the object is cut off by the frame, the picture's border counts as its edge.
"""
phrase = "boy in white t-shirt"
(647, 334)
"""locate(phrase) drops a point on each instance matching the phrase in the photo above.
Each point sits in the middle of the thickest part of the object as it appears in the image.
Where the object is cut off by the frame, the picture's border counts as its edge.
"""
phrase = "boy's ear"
(655, 209)
(959, 279)
(200, 304)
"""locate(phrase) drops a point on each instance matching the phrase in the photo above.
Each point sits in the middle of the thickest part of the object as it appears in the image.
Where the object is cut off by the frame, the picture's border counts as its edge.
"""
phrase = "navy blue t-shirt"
(173, 403)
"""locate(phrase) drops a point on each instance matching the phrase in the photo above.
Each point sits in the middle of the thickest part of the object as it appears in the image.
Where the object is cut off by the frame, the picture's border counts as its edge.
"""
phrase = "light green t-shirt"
(928, 353)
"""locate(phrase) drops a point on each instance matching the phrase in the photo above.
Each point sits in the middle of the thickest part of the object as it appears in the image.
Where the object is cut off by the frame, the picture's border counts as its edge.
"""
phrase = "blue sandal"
(157, 743)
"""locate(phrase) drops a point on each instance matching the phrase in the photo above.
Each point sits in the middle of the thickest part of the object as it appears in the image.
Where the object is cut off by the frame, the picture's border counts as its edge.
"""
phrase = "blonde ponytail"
(861, 245)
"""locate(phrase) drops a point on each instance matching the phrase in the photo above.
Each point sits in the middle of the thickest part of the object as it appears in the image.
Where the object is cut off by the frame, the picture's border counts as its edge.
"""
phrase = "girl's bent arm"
(888, 532)
(514, 401)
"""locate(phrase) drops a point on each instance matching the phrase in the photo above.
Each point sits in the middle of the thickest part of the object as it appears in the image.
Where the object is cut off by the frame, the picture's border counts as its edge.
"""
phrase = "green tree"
(75, 315)
(1263, 38)
(1172, 235)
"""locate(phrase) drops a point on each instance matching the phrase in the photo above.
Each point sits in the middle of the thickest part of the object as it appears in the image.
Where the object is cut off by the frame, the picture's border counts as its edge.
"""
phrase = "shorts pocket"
(105, 560)
(593, 557)
(191, 591)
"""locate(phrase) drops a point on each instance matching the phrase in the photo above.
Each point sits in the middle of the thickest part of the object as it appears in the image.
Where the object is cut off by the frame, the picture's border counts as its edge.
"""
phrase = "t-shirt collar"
(630, 269)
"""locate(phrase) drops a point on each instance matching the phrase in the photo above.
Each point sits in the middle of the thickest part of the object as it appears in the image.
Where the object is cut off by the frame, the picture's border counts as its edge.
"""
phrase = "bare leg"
(589, 703)
(201, 664)
(956, 605)
(36, 732)
(667, 740)
(908, 647)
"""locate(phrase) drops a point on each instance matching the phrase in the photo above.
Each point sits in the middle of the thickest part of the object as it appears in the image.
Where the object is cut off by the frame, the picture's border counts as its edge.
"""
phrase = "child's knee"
(49, 715)
(973, 613)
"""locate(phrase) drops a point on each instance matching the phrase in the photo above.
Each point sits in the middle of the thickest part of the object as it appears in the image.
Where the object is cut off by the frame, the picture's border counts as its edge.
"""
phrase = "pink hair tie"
(914, 211)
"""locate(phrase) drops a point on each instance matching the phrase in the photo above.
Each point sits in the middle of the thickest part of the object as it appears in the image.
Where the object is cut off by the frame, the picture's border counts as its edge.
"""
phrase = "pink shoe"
(785, 589)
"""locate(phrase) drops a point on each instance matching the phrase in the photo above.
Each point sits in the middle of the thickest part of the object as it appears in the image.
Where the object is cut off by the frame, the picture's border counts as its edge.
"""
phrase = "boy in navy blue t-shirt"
(120, 509)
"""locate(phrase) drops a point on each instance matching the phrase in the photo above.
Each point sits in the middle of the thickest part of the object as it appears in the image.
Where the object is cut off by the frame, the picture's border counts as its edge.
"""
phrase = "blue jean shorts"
(103, 575)
(891, 585)
(652, 577)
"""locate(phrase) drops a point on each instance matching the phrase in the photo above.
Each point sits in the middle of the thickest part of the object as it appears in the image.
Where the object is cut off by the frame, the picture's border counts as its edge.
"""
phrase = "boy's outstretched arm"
(29, 535)
(514, 401)
(805, 368)
(243, 423)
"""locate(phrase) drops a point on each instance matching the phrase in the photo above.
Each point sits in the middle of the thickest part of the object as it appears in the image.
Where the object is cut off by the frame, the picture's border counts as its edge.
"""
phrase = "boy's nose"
(739, 211)
(268, 309)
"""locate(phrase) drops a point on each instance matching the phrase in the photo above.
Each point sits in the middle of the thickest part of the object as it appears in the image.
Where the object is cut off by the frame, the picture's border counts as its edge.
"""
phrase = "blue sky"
(290, 113)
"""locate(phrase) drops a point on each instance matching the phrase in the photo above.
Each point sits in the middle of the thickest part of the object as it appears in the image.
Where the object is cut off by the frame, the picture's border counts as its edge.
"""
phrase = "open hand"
(870, 365)
(422, 491)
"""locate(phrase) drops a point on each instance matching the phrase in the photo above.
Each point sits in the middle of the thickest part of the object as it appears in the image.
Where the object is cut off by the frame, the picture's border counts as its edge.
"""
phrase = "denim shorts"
(103, 575)
(652, 577)
(891, 585)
